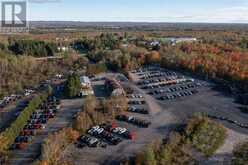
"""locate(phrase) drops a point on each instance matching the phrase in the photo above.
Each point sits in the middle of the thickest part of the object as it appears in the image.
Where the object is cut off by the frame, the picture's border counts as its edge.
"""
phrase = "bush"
(240, 154)
(201, 133)
(205, 135)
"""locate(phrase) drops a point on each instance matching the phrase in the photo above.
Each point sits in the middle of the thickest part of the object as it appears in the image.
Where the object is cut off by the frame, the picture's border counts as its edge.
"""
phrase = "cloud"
(238, 14)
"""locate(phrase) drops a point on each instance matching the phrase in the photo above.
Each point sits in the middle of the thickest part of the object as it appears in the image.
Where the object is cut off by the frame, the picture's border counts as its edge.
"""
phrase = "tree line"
(32, 48)
(20, 72)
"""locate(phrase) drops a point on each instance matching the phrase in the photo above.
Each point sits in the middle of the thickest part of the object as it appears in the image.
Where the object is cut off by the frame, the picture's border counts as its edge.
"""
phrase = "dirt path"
(62, 120)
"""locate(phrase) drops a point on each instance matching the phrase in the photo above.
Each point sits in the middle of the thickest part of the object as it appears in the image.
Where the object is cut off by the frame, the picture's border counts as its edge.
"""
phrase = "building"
(86, 88)
(85, 81)
(174, 40)
(114, 87)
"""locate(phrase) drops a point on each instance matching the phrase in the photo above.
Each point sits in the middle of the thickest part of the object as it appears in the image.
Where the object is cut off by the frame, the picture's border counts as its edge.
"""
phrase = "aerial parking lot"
(183, 96)
(158, 101)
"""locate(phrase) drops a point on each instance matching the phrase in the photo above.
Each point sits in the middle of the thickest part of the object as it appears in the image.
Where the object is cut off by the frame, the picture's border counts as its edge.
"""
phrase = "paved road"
(62, 120)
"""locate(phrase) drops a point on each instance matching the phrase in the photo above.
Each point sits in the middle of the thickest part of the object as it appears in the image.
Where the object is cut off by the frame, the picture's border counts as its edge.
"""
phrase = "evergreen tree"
(73, 86)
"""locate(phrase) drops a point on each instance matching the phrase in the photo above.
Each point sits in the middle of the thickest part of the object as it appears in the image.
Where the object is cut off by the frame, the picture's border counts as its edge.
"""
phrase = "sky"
(211, 11)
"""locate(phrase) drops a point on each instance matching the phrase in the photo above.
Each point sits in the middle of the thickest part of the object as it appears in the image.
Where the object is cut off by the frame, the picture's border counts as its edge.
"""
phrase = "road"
(62, 120)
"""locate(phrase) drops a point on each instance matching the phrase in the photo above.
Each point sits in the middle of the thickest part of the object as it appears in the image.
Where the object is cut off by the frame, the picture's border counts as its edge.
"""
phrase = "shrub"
(177, 148)
(240, 154)
(54, 145)
(205, 135)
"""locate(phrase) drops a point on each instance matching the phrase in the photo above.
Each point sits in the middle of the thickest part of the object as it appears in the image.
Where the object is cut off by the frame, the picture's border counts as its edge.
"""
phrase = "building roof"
(84, 80)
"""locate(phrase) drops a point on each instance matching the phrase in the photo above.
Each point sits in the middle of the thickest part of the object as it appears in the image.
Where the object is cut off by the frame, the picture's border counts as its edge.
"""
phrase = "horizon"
(75, 21)
(157, 11)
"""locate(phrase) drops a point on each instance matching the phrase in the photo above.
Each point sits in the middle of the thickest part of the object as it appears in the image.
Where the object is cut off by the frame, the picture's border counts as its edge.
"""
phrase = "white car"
(59, 76)
(123, 130)
(96, 129)
(27, 94)
(131, 109)
(1, 102)
(119, 130)
(130, 118)
(43, 126)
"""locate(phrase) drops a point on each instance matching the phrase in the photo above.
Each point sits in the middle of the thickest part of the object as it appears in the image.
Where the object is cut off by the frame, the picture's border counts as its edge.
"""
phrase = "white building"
(85, 81)
(86, 88)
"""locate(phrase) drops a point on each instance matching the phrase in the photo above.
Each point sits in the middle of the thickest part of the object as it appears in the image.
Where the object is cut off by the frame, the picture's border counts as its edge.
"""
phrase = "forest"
(212, 58)
(219, 55)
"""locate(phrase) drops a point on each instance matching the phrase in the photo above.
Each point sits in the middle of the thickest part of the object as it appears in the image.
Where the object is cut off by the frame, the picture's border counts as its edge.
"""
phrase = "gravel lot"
(165, 115)
(162, 123)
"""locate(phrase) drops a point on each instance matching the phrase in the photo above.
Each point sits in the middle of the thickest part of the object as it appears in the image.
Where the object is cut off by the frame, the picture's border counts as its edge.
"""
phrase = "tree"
(149, 156)
(240, 154)
(153, 57)
(33, 48)
(73, 86)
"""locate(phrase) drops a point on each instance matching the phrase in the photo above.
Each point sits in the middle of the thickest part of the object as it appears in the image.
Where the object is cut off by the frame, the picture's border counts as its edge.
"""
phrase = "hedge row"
(8, 136)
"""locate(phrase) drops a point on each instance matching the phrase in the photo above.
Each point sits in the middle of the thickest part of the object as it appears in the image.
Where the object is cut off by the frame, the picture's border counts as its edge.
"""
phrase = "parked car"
(134, 120)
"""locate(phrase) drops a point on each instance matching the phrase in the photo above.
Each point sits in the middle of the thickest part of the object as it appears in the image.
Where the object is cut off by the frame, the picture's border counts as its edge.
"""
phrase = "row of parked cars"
(134, 120)
(14, 97)
(242, 125)
(136, 102)
(156, 74)
(133, 96)
(103, 135)
(27, 92)
(158, 79)
(170, 86)
(178, 95)
(143, 70)
(37, 121)
(134, 109)
(174, 89)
